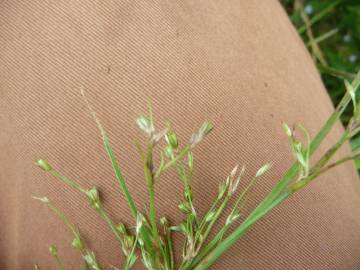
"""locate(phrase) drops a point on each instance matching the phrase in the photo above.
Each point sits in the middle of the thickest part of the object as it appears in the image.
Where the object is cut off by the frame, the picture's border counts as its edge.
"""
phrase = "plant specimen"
(151, 239)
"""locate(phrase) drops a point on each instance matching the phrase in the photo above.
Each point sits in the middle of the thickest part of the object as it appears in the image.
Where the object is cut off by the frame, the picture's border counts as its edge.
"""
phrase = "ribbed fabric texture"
(237, 63)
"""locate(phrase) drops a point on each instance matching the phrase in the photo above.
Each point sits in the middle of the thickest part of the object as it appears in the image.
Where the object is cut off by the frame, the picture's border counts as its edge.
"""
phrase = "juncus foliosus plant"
(151, 239)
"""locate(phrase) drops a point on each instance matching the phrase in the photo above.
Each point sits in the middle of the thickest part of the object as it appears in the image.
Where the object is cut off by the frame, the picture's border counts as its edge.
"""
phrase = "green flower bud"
(43, 164)
(77, 243)
(287, 130)
(201, 133)
(129, 242)
(121, 229)
(172, 139)
(168, 151)
(90, 259)
(144, 124)
(223, 186)
(164, 222)
(94, 198)
(185, 207)
(53, 250)
(188, 193)
(263, 170)
(206, 128)
(190, 160)
(298, 185)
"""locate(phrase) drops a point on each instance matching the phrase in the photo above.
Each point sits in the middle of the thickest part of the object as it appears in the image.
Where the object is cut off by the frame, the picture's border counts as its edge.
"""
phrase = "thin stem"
(336, 72)
(320, 15)
(58, 261)
(73, 230)
(232, 238)
(215, 218)
(173, 161)
(323, 36)
(67, 181)
(338, 162)
(110, 223)
(331, 152)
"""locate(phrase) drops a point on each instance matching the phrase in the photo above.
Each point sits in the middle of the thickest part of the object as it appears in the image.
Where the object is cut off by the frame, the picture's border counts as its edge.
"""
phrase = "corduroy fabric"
(239, 64)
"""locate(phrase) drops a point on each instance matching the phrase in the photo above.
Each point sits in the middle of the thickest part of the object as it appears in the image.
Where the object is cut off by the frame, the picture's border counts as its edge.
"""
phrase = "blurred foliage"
(330, 30)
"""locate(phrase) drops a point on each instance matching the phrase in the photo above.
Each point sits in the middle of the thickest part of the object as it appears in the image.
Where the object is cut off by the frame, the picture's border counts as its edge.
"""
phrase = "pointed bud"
(168, 151)
(129, 242)
(89, 257)
(222, 188)
(164, 221)
(234, 182)
(41, 199)
(144, 124)
(43, 164)
(139, 222)
(53, 250)
(263, 170)
(287, 130)
(121, 229)
(234, 171)
(210, 216)
(185, 207)
(157, 137)
(172, 139)
(206, 128)
(231, 218)
(190, 160)
(94, 198)
(77, 243)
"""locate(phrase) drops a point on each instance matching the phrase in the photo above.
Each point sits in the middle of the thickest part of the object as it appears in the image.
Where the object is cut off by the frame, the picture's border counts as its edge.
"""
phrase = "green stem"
(215, 218)
(232, 238)
(335, 72)
(110, 223)
(67, 181)
(59, 262)
(323, 36)
(152, 211)
(339, 162)
(331, 152)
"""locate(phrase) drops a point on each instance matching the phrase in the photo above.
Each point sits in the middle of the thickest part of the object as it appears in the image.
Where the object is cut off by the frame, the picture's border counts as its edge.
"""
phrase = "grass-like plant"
(151, 240)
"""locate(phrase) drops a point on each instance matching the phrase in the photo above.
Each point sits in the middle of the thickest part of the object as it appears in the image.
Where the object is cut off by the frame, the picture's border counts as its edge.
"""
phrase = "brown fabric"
(237, 63)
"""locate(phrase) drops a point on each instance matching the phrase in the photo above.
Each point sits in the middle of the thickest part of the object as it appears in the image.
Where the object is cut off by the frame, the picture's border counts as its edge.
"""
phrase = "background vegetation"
(330, 30)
